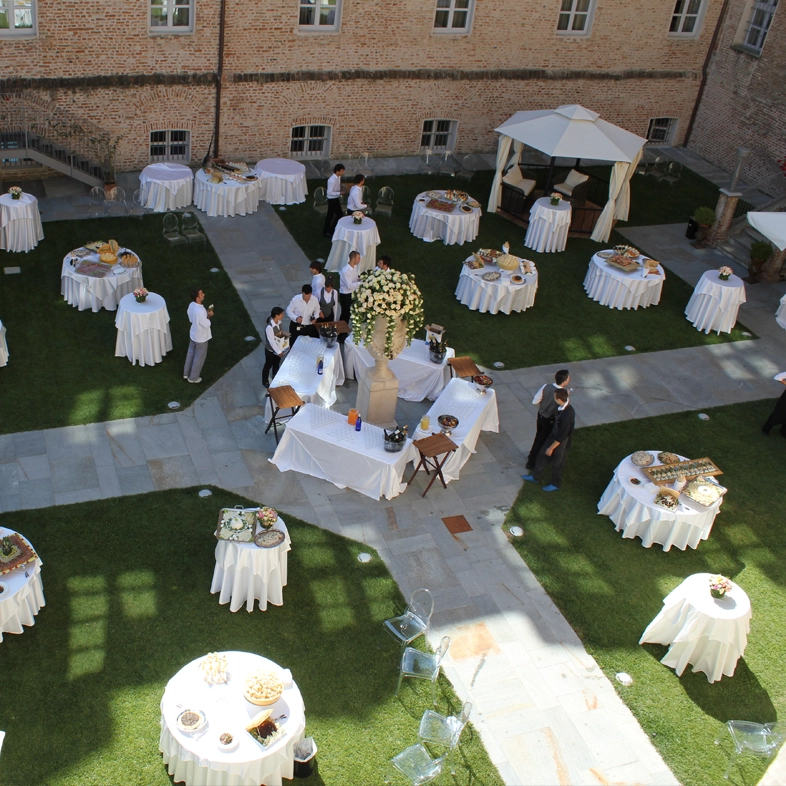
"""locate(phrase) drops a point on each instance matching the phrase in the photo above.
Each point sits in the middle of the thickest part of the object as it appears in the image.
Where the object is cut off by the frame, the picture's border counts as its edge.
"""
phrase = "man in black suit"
(555, 448)
(778, 416)
(547, 413)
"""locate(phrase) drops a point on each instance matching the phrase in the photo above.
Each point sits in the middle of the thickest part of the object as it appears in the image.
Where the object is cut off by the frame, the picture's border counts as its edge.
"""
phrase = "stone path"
(545, 711)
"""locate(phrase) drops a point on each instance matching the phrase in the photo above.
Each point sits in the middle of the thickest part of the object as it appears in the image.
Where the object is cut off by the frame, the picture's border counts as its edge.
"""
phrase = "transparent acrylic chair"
(446, 732)
(172, 231)
(414, 621)
(137, 208)
(189, 227)
(762, 739)
(416, 765)
(320, 201)
(116, 202)
(423, 665)
(97, 205)
(384, 201)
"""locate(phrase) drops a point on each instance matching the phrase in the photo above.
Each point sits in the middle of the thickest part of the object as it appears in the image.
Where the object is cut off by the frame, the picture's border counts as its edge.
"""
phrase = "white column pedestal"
(377, 399)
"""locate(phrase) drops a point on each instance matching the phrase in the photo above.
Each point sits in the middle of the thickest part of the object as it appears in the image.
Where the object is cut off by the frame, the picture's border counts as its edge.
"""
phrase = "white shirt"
(273, 341)
(334, 187)
(539, 395)
(317, 284)
(200, 324)
(299, 308)
(355, 201)
(350, 279)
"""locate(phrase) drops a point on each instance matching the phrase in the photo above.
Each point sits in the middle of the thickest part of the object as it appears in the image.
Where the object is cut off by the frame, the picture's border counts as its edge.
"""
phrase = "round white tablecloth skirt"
(282, 181)
(225, 199)
(166, 186)
(20, 223)
(22, 599)
(496, 296)
(450, 228)
(339, 257)
(548, 226)
(3, 347)
(143, 334)
(87, 292)
(615, 289)
(349, 236)
(714, 304)
(780, 314)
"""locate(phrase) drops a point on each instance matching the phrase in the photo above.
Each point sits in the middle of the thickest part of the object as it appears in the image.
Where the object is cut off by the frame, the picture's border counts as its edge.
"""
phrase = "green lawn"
(63, 370)
(564, 325)
(128, 605)
(609, 589)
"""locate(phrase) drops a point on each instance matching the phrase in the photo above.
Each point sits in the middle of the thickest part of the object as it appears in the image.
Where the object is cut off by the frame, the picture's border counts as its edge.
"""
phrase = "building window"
(319, 14)
(575, 17)
(453, 16)
(762, 12)
(17, 17)
(438, 135)
(686, 19)
(171, 16)
(310, 142)
(661, 130)
(170, 146)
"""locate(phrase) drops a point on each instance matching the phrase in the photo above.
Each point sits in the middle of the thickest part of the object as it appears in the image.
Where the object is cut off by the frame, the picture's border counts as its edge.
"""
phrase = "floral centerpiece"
(719, 586)
(357, 217)
(266, 517)
(16, 192)
(141, 294)
(555, 197)
(724, 273)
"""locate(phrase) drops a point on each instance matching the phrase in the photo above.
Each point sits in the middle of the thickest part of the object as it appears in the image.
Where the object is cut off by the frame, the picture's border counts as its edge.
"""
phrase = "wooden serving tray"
(26, 554)
(666, 474)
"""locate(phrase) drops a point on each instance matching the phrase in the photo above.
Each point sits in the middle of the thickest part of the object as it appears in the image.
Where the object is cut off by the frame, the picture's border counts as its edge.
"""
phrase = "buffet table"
(612, 287)
(246, 573)
(282, 181)
(320, 443)
(143, 334)
(632, 509)
(195, 758)
(714, 303)
(709, 633)
(20, 223)
(229, 198)
(87, 283)
(475, 411)
(548, 226)
(418, 377)
(349, 236)
(456, 227)
(495, 296)
(166, 186)
(780, 314)
(22, 596)
(3, 347)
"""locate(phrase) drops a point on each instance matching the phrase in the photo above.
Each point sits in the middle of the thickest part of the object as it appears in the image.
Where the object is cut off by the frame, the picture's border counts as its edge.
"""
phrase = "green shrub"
(761, 251)
(704, 216)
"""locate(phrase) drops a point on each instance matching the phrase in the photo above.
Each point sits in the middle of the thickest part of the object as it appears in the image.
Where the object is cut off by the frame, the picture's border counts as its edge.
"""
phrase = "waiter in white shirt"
(349, 282)
(303, 310)
(355, 199)
(200, 334)
(334, 211)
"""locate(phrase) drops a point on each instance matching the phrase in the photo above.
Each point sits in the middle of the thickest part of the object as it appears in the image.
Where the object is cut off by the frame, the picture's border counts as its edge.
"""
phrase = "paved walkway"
(545, 711)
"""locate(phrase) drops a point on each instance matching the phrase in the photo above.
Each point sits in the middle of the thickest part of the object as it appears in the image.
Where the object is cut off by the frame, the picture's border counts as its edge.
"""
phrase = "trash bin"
(305, 763)
(692, 229)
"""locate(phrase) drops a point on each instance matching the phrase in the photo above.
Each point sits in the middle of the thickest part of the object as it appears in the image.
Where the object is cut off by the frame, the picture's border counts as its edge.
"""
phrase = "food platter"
(20, 553)
(624, 263)
(606, 254)
(668, 499)
(704, 490)
(269, 538)
(466, 209)
(440, 205)
(264, 729)
(262, 687)
(665, 457)
(236, 524)
(473, 203)
(191, 721)
(642, 458)
(492, 275)
(516, 278)
(667, 473)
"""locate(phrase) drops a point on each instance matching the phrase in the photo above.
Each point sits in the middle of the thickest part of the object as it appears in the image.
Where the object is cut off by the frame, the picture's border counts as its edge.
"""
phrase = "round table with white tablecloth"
(196, 760)
(548, 225)
(282, 181)
(633, 510)
(3, 347)
(780, 314)
(85, 282)
(20, 223)
(349, 236)
(714, 303)
(166, 186)
(143, 334)
(502, 295)
(22, 594)
(458, 225)
(709, 633)
(228, 198)
(246, 573)
(612, 287)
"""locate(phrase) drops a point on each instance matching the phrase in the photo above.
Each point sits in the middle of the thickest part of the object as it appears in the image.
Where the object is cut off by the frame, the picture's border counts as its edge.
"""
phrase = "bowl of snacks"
(263, 688)
(448, 423)
(227, 741)
(667, 498)
(214, 668)
(483, 382)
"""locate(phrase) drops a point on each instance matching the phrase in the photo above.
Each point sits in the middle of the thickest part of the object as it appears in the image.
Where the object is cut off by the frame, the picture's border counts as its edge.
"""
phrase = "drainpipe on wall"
(220, 76)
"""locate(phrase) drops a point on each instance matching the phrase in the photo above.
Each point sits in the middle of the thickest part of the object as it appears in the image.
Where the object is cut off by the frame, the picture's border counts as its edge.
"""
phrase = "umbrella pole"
(549, 177)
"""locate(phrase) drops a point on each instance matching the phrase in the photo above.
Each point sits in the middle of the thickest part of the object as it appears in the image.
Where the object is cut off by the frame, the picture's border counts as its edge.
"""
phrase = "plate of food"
(665, 457)
(81, 253)
(492, 275)
(448, 422)
(433, 194)
(667, 498)
(474, 262)
(422, 200)
(466, 209)
(94, 245)
(227, 741)
(269, 538)
(516, 279)
(236, 524)
(264, 729)
(606, 254)
(473, 203)
(214, 668)
(191, 721)
(635, 481)
(705, 491)
(642, 458)
(483, 380)
(262, 687)
(627, 251)
(624, 263)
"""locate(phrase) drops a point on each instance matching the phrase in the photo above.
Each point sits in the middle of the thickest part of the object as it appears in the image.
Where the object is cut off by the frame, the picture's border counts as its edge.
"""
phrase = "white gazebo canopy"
(771, 225)
(572, 131)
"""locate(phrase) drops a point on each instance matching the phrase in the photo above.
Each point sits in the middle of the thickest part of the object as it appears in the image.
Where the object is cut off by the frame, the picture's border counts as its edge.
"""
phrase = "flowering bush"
(724, 272)
(391, 294)
(267, 517)
(719, 586)
(15, 192)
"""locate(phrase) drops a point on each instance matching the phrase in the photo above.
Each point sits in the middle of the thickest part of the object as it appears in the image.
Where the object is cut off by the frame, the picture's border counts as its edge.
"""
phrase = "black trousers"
(272, 363)
(296, 330)
(345, 301)
(543, 428)
(778, 416)
(334, 212)
(557, 460)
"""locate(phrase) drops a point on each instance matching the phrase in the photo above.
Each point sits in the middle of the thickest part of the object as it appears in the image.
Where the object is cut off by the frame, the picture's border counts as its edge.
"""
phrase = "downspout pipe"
(220, 76)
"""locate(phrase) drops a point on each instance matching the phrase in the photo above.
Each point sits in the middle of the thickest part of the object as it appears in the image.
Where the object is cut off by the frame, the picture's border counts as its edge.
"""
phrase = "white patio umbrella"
(771, 225)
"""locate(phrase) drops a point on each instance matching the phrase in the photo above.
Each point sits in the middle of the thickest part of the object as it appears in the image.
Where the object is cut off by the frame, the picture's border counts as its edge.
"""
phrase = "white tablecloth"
(780, 314)
(349, 236)
(3, 347)
(320, 443)
(230, 198)
(633, 510)
(612, 287)
(548, 225)
(495, 296)
(710, 633)
(23, 595)
(166, 186)
(246, 573)
(282, 181)
(20, 223)
(85, 291)
(476, 412)
(714, 303)
(418, 377)
(196, 760)
(143, 334)
(451, 228)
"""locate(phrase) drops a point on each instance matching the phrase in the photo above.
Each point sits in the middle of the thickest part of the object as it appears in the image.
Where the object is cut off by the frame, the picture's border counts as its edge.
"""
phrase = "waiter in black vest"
(555, 448)
(547, 413)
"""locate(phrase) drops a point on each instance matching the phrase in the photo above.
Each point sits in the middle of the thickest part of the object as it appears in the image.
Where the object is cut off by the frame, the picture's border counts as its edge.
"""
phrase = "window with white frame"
(170, 146)
(171, 16)
(686, 19)
(575, 17)
(319, 15)
(761, 13)
(310, 142)
(17, 17)
(453, 16)
(661, 130)
(438, 135)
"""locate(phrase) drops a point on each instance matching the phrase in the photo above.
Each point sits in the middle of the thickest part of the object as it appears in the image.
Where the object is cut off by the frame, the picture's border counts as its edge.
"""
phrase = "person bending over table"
(383, 263)
(199, 335)
(355, 199)
(302, 310)
(317, 279)
(334, 210)
(555, 449)
(547, 414)
(349, 281)
(276, 343)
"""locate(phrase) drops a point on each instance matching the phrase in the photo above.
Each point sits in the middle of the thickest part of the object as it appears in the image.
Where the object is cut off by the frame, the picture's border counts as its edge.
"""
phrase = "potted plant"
(760, 252)
(704, 218)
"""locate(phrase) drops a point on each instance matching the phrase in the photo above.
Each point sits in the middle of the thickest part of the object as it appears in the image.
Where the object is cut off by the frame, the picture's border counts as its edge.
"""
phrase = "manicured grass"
(63, 370)
(564, 324)
(128, 605)
(609, 589)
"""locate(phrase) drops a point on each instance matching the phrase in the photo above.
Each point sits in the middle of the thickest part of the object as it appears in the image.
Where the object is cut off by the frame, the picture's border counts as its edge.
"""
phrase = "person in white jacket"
(355, 198)
(199, 335)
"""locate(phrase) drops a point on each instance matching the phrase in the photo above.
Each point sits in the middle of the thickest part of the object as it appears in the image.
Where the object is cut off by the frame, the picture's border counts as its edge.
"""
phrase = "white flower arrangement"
(391, 294)
(141, 292)
(358, 216)
(555, 197)
(724, 272)
(15, 191)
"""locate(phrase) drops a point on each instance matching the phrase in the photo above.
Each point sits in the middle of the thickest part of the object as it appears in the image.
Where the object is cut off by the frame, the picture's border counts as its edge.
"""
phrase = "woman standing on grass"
(276, 343)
